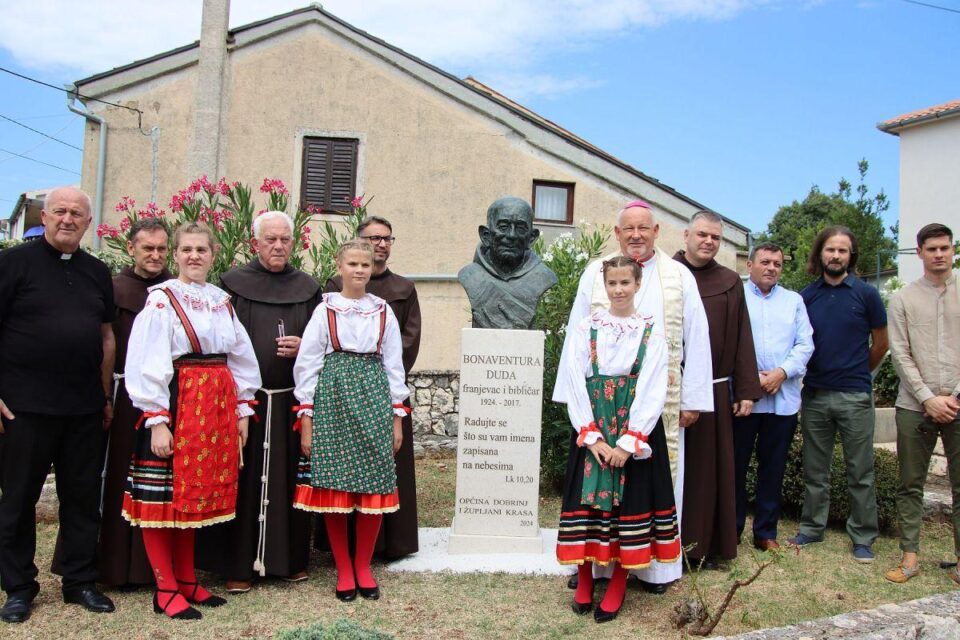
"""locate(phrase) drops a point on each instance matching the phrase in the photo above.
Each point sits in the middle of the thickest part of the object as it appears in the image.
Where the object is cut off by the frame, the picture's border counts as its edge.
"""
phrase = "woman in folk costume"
(350, 386)
(192, 371)
(618, 504)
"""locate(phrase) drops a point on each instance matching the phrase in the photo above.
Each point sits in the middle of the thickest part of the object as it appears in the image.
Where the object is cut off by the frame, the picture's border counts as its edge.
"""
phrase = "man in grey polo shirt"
(925, 345)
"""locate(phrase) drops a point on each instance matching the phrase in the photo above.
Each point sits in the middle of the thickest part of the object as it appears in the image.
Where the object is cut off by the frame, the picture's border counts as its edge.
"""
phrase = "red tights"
(368, 528)
(171, 555)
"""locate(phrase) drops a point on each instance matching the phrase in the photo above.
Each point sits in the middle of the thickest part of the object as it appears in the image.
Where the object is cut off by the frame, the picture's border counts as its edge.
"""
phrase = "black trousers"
(74, 446)
(771, 435)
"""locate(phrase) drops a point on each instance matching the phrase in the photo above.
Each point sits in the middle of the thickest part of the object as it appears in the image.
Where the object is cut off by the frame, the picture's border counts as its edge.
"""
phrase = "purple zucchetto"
(636, 203)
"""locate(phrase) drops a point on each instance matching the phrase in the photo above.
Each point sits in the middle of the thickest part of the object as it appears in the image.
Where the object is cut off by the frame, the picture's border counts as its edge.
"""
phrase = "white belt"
(117, 377)
(721, 379)
(258, 563)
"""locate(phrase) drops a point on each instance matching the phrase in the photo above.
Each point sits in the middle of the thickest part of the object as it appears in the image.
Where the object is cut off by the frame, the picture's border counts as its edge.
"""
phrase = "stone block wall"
(435, 398)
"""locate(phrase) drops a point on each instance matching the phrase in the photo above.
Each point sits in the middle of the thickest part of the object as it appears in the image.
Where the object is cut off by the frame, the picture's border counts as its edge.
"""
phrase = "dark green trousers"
(823, 414)
(916, 439)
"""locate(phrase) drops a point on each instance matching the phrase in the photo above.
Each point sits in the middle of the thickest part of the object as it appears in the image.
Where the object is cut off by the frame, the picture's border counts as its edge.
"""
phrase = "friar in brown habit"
(274, 302)
(398, 535)
(121, 558)
(709, 496)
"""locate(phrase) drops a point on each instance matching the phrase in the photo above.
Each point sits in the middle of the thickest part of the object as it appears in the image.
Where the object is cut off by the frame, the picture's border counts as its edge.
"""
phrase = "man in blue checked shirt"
(783, 340)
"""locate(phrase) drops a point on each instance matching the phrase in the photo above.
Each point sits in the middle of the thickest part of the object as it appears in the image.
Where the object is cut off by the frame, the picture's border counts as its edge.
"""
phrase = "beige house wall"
(432, 163)
(929, 189)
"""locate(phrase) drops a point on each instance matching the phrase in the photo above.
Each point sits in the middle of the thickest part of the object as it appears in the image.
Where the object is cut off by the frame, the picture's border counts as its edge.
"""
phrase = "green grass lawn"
(821, 580)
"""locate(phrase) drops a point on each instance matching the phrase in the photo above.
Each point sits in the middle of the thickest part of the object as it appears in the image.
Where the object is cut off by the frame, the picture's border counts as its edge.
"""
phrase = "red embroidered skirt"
(197, 485)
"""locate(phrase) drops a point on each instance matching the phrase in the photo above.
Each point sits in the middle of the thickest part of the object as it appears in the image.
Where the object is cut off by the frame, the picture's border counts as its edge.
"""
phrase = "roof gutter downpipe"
(101, 159)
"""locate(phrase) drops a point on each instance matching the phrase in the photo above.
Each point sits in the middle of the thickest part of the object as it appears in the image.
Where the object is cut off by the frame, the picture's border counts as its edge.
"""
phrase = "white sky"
(506, 42)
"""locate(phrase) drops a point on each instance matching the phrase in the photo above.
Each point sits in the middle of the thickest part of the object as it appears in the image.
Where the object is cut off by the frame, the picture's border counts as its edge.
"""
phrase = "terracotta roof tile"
(947, 108)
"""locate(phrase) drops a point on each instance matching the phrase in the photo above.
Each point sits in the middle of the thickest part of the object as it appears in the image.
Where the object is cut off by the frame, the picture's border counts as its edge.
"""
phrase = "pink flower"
(201, 184)
(221, 187)
(152, 211)
(106, 231)
(273, 185)
(357, 202)
(126, 204)
(182, 198)
(305, 231)
(306, 244)
(125, 223)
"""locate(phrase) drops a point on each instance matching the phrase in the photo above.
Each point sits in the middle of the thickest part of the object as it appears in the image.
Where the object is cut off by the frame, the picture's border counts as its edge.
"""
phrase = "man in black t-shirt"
(56, 362)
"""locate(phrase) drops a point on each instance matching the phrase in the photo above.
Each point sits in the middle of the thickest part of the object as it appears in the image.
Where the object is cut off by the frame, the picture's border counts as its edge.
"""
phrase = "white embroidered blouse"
(358, 330)
(618, 341)
(158, 338)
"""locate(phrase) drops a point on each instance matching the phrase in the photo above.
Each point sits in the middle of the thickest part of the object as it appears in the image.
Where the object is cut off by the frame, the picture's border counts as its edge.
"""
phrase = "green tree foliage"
(795, 226)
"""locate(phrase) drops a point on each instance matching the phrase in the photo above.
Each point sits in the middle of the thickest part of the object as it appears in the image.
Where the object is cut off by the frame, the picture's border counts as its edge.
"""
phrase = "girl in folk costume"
(618, 504)
(350, 386)
(192, 371)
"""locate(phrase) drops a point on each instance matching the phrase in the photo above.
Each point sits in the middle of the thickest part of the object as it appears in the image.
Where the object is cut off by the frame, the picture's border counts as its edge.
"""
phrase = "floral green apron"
(352, 448)
(610, 399)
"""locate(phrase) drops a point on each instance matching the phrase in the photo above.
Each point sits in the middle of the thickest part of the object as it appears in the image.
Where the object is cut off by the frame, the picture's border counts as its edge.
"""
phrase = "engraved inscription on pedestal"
(498, 448)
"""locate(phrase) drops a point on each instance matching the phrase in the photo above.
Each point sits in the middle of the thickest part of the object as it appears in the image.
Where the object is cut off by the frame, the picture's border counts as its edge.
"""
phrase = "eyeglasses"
(388, 240)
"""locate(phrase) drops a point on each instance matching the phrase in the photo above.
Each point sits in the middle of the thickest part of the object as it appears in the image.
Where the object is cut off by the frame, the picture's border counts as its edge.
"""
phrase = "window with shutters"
(553, 201)
(329, 173)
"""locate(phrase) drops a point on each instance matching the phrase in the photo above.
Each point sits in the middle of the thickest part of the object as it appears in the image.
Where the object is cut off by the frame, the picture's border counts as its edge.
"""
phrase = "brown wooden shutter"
(329, 173)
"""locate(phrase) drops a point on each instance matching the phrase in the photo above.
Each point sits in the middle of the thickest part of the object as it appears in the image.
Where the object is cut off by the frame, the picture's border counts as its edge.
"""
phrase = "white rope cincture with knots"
(258, 564)
(117, 377)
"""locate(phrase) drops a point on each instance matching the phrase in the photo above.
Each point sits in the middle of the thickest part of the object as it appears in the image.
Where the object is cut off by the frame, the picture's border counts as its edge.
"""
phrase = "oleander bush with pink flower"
(229, 209)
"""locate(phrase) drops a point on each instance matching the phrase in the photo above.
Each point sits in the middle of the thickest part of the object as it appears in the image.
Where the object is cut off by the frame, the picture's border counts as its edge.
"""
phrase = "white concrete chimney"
(208, 97)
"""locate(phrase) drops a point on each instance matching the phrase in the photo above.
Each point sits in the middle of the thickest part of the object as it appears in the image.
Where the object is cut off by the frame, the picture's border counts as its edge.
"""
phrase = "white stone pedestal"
(498, 446)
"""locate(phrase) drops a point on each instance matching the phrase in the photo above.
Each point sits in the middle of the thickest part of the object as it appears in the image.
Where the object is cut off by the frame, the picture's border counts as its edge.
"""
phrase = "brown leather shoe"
(765, 544)
(238, 586)
(300, 576)
(901, 574)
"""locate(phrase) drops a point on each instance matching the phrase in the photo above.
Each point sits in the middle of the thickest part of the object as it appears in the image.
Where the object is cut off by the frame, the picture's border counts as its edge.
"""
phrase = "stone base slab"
(465, 543)
(434, 557)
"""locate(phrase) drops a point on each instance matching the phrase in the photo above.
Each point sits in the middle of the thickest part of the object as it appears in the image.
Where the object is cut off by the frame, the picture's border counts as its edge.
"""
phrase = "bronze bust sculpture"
(506, 279)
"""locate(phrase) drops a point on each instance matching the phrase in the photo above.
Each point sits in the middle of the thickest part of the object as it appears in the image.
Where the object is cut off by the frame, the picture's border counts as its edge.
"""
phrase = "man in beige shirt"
(925, 346)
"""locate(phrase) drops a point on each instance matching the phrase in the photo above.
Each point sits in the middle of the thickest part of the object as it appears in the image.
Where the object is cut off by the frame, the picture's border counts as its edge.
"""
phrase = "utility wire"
(933, 6)
(39, 144)
(39, 161)
(79, 95)
(40, 132)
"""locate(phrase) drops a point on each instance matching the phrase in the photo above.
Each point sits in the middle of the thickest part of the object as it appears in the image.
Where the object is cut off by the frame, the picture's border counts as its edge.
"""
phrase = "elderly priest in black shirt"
(56, 361)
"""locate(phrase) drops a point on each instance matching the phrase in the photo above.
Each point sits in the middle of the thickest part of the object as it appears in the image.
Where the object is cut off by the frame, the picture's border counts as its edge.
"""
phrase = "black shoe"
(581, 609)
(17, 607)
(347, 595)
(211, 601)
(599, 615)
(89, 598)
(373, 593)
(654, 587)
(187, 614)
(573, 581)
